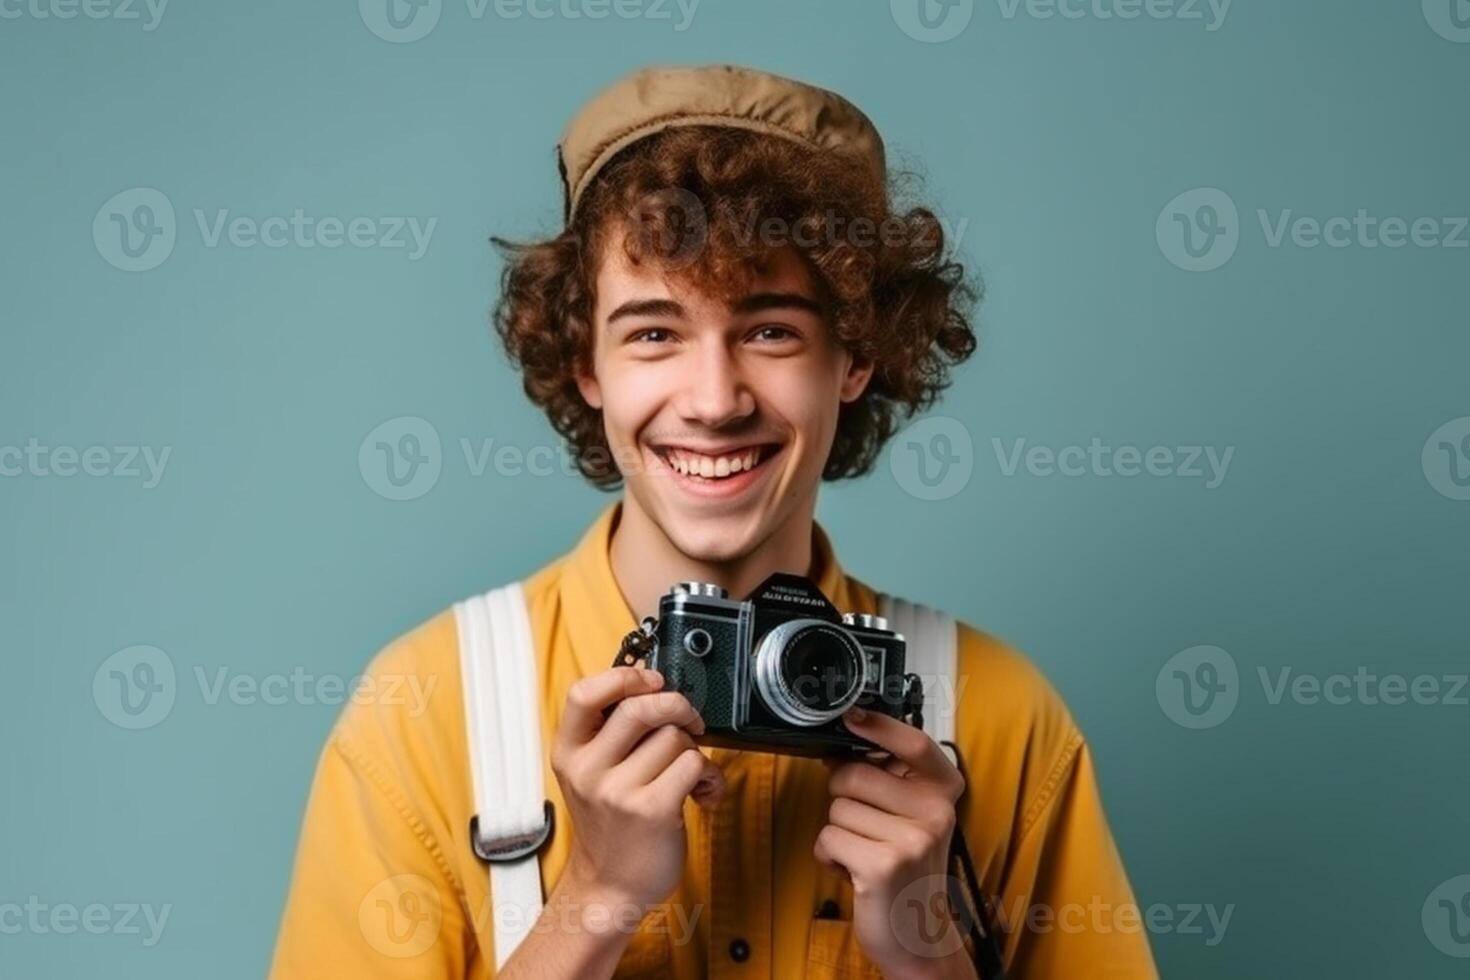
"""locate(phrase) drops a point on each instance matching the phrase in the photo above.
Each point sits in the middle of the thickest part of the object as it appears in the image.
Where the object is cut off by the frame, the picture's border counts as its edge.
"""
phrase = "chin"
(712, 538)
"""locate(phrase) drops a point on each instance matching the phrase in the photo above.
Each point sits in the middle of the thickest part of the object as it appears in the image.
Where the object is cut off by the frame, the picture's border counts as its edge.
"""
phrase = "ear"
(590, 389)
(855, 379)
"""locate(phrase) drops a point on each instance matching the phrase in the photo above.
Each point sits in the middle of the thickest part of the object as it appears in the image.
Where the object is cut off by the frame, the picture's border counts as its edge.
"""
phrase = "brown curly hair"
(708, 205)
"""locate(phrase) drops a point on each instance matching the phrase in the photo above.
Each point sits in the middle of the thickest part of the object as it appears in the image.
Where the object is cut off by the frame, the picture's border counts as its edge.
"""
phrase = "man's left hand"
(889, 828)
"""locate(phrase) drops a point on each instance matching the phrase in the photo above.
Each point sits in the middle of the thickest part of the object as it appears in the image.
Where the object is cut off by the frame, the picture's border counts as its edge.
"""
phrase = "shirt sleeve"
(1066, 906)
(374, 892)
(371, 896)
(1033, 819)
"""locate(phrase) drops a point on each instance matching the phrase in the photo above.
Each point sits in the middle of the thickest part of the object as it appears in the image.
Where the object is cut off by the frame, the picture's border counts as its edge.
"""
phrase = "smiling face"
(720, 413)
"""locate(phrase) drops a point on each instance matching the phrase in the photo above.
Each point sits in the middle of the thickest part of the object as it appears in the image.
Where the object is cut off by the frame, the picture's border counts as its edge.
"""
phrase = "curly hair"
(708, 205)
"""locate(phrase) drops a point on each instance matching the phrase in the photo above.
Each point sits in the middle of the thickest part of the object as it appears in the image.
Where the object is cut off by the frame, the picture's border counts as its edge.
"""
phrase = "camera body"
(775, 672)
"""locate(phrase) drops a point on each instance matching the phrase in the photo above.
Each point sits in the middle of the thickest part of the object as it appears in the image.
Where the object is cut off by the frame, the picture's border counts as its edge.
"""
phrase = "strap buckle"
(503, 850)
(637, 647)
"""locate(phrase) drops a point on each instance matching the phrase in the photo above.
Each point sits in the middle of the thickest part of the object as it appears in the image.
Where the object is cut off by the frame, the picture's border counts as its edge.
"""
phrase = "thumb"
(711, 787)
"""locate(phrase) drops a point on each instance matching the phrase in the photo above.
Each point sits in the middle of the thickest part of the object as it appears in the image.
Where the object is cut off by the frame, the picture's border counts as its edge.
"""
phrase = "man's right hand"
(625, 773)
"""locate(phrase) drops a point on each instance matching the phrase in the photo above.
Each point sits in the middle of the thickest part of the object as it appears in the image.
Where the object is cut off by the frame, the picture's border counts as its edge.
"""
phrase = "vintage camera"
(776, 672)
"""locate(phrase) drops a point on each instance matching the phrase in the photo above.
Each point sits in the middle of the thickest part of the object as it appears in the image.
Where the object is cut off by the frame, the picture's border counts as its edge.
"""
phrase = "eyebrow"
(754, 303)
(757, 302)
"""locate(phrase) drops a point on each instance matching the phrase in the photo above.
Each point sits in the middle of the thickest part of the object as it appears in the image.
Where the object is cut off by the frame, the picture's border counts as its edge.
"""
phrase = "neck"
(645, 562)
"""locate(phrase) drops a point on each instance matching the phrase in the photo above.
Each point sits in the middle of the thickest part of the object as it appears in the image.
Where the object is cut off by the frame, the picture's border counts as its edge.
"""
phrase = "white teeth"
(712, 467)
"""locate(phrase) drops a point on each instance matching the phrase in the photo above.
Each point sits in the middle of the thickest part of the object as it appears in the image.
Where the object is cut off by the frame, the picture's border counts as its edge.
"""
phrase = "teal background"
(265, 548)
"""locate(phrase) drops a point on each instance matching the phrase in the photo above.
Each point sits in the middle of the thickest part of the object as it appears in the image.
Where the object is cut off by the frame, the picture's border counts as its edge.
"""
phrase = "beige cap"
(654, 99)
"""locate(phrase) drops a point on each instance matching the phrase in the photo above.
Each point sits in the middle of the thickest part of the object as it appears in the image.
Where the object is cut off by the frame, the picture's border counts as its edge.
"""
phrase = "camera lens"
(818, 669)
(809, 671)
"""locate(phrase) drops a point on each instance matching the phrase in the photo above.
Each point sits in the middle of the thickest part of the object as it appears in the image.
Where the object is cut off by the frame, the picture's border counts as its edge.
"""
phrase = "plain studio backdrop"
(1209, 469)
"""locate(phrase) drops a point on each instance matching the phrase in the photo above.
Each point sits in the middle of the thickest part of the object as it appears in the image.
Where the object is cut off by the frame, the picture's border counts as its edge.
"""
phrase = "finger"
(652, 756)
(868, 821)
(634, 718)
(869, 784)
(841, 849)
(582, 714)
(690, 771)
(907, 743)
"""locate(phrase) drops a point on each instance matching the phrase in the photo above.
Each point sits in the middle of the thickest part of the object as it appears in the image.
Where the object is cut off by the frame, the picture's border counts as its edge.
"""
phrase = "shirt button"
(739, 950)
(829, 910)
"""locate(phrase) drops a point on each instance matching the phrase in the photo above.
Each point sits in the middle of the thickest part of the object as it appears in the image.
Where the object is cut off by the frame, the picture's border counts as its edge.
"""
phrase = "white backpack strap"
(513, 818)
(932, 643)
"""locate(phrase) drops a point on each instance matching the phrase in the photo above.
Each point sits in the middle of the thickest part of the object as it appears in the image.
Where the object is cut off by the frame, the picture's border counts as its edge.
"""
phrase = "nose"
(714, 394)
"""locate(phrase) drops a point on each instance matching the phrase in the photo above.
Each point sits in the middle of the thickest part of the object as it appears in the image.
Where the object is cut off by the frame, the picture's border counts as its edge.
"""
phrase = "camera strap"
(932, 648)
(513, 818)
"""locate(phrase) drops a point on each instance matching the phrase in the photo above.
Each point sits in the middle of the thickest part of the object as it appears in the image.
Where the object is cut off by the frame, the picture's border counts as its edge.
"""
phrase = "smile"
(725, 470)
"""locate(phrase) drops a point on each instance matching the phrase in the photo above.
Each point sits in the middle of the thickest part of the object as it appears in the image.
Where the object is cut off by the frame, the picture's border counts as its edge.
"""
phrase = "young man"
(735, 311)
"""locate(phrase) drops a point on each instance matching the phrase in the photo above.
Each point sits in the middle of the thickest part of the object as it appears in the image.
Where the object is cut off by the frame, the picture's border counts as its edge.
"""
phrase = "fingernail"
(857, 714)
(653, 676)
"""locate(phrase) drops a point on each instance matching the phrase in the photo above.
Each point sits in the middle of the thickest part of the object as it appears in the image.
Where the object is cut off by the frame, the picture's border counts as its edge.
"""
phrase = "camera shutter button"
(707, 590)
(867, 621)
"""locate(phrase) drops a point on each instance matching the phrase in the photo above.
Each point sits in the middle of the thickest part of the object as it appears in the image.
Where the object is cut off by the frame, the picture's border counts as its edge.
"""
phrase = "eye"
(774, 333)
(651, 335)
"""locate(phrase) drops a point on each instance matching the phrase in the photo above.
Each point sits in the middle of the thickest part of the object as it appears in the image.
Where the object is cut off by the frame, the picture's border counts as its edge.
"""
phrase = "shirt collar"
(596, 614)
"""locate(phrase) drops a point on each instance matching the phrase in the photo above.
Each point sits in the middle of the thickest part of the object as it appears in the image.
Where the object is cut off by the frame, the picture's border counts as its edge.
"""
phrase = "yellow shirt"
(386, 884)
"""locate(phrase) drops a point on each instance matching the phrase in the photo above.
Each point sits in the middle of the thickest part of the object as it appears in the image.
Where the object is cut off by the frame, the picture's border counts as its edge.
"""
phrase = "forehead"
(618, 279)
